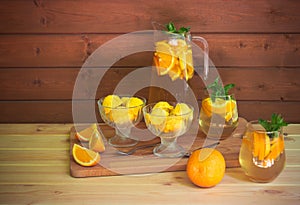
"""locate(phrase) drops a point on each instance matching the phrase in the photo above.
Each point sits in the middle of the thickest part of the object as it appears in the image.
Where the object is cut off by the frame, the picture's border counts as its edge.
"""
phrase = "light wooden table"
(34, 169)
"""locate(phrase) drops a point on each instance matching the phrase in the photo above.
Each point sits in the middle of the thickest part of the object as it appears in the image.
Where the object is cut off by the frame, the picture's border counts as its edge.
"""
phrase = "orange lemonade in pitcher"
(172, 58)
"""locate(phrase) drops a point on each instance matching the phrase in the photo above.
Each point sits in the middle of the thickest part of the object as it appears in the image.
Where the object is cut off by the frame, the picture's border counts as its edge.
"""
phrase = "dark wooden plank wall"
(43, 44)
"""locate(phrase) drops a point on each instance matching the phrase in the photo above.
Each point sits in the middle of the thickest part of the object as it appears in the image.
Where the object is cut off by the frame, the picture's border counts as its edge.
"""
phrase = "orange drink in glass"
(262, 153)
(218, 116)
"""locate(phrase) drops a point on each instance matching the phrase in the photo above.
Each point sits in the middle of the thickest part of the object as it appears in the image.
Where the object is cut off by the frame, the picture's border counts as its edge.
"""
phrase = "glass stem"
(123, 133)
(168, 141)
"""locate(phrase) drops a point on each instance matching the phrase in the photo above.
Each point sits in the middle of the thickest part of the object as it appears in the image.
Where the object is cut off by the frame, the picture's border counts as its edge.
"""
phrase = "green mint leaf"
(274, 124)
(172, 29)
(218, 90)
(183, 30)
(228, 87)
(264, 123)
(274, 118)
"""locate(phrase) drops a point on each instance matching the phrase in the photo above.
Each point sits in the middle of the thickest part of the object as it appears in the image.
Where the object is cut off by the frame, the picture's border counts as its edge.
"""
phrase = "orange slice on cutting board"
(85, 157)
(85, 134)
(96, 142)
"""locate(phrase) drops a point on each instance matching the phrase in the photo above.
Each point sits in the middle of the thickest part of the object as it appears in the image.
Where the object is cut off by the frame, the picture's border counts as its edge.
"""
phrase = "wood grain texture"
(35, 142)
(44, 43)
(24, 182)
(276, 50)
(46, 16)
(58, 83)
(169, 190)
(30, 130)
(61, 111)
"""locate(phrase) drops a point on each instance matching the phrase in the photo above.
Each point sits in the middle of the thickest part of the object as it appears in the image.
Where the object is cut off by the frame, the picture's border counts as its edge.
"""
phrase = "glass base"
(218, 132)
(171, 151)
(260, 180)
(118, 141)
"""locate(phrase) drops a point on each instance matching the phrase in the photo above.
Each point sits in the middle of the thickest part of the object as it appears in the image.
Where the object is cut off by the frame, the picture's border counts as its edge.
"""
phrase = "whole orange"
(206, 167)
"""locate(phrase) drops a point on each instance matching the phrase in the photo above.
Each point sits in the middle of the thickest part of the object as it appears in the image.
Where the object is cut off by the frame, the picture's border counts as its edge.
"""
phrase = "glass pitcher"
(174, 65)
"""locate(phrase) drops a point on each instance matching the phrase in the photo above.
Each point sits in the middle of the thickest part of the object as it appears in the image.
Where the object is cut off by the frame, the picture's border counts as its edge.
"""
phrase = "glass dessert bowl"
(121, 113)
(168, 121)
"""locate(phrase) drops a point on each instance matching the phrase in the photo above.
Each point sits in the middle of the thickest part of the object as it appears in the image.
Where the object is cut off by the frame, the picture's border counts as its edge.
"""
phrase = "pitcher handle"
(206, 50)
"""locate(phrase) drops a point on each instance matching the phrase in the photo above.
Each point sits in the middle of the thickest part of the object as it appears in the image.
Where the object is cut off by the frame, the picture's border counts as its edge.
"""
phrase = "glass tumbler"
(218, 116)
(262, 153)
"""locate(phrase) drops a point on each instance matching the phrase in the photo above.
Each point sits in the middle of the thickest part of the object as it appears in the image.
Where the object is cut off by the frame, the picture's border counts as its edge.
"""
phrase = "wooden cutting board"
(144, 161)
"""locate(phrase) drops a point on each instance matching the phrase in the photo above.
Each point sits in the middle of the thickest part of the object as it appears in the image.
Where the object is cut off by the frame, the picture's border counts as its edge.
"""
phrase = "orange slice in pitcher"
(185, 59)
(164, 57)
(85, 157)
(188, 72)
(175, 72)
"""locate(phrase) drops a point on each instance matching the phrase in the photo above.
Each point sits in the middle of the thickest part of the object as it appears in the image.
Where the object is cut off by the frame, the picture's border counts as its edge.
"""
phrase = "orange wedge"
(112, 101)
(218, 107)
(222, 107)
(276, 149)
(175, 58)
(256, 142)
(164, 105)
(164, 62)
(165, 57)
(175, 72)
(85, 134)
(267, 145)
(261, 145)
(189, 71)
(85, 157)
(173, 125)
(135, 105)
(186, 63)
(96, 142)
